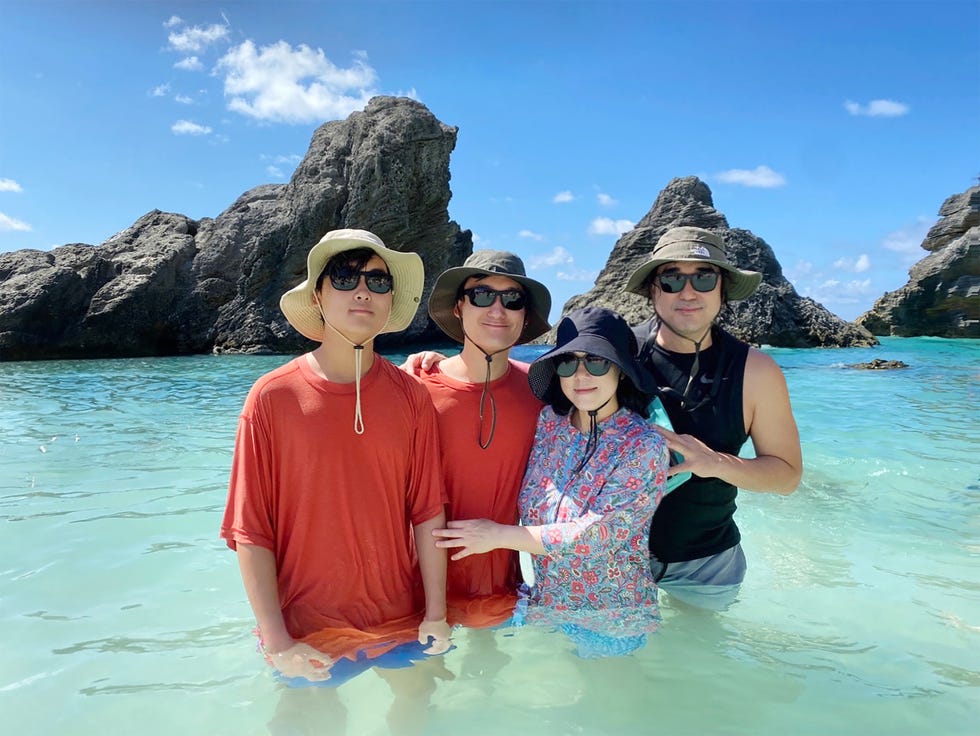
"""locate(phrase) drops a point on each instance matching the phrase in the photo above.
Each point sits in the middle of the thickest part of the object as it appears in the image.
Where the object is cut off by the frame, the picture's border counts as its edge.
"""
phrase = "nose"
(361, 291)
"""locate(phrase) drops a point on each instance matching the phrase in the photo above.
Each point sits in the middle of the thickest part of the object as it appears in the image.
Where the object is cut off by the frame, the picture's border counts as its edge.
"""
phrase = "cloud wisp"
(877, 109)
(608, 226)
(186, 127)
(563, 197)
(761, 177)
(9, 185)
(8, 224)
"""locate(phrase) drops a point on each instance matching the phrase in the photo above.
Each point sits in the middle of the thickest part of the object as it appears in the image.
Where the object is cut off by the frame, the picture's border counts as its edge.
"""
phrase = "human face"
(359, 314)
(493, 328)
(588, 392)
(688, 313)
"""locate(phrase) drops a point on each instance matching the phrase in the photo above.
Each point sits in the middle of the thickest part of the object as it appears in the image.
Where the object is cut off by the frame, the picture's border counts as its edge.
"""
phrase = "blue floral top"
(595, 523)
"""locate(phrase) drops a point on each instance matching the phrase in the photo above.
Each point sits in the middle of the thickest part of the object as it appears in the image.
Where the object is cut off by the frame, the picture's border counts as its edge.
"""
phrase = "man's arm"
(432, 565)
(291, 658)
(425, 362)
(778, 464)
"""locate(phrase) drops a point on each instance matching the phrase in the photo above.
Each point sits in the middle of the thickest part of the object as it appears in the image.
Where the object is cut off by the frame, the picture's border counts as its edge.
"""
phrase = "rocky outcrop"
(942, 296)
(172, 285)
(775, 315)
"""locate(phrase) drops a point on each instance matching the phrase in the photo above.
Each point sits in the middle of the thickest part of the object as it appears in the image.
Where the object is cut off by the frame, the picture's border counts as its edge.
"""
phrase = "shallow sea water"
(121, 610)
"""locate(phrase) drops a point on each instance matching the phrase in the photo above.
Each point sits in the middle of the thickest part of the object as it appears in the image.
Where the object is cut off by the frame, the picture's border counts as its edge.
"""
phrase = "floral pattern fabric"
(595, 523)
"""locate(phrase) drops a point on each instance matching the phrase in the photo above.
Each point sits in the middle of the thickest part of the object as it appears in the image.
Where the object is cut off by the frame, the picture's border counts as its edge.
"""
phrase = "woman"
(596, 473)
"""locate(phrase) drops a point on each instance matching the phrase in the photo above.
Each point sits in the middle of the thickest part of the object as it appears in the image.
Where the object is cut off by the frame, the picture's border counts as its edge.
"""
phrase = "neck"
(471, 364)
(677, 342)
(334, 360)
(580, 418)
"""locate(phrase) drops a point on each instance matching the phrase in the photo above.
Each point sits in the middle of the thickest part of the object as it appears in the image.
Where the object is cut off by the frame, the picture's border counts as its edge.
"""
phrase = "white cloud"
(186, 127)
(9, 185)
(275, 172)
(558, 256)
(877, 108)
(836, 293)
(190, 64)
(859, 265)
(606, 226)
(183, 99)
(563, 197)
(173, 20)
(9, 223)
(268, 83)
(160, 90)
(529, 234)
(196, 38)
(761, 176)
(605, 200)
(907, 240)
(577, 274)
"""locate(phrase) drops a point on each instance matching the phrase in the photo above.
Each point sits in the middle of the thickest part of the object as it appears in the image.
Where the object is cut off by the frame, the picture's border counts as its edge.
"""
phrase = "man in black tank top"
(717, 392)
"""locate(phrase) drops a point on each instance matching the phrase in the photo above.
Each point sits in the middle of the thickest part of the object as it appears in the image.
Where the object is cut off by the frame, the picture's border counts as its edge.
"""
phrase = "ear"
(456, 313)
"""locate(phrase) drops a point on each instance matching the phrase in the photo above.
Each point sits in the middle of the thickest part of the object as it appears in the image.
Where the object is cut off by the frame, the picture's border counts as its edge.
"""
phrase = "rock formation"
(171, 285)
(775, 315)
(942, 297)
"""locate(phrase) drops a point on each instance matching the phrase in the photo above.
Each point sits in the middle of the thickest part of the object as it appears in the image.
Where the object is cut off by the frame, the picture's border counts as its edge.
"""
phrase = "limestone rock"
(172, 285)
(942, 296)
(775, 315)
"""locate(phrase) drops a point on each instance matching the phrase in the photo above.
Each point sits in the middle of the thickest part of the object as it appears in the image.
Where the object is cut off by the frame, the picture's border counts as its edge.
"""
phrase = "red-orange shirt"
(483, 484)
(335, 507)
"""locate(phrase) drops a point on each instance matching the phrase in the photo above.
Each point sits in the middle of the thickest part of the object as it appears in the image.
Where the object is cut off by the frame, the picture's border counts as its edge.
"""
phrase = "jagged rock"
(942, 296)
(879, 365)
(775, 315)
(172, 285)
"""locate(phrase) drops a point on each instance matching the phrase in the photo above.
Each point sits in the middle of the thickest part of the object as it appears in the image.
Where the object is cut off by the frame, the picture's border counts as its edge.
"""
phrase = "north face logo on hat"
(700, 250)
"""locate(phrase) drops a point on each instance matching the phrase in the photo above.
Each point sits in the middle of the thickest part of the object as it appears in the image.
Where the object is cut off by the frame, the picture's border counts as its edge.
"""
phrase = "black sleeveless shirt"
(695, 519)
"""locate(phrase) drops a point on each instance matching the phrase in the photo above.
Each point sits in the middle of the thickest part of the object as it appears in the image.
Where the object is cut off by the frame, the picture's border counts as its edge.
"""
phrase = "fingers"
(302, 660)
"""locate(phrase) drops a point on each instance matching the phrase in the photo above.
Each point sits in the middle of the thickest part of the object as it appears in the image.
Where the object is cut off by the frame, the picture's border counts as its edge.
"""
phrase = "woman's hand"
(474, 536)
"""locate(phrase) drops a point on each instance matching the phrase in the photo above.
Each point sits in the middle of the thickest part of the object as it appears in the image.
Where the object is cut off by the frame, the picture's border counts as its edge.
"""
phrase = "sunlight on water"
(123, 611)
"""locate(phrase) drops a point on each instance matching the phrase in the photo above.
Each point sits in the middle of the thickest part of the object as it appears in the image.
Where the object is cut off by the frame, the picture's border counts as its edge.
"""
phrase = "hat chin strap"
(486, 390)
(593, 442)
(358, 353)
(697, 349)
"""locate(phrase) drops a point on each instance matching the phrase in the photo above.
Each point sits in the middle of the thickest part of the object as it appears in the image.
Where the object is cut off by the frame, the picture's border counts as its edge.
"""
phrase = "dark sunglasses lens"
(344, 280)
(566, 367)
(481, 297)
(671, 283)
(378, 282)
(596, 366)
(704, 280)
(513, 299)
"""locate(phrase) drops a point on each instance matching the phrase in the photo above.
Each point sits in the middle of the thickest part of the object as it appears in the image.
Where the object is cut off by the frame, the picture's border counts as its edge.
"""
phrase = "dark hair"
(356, 257)
(628, 395)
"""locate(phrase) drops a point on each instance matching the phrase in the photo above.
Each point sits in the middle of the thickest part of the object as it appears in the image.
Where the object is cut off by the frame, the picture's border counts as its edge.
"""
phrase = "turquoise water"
(122, 611)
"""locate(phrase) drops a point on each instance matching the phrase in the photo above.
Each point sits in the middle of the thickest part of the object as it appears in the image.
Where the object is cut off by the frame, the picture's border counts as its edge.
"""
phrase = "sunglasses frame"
(604, 365)
(507, 297)
(387, 282)
(688, 278)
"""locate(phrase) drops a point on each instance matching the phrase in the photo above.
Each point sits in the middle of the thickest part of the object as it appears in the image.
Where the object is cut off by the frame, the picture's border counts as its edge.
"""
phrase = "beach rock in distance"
(878, 364)
(171, 285)
(942, 296)
(775, 315)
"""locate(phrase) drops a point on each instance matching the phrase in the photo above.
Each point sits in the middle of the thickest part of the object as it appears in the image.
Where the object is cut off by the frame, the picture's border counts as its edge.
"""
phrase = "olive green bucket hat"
(445, 292)
(694, 245)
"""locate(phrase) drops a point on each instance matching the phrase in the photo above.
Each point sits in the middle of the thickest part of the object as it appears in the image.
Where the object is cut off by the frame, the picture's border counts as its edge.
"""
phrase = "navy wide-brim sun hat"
(595, 331)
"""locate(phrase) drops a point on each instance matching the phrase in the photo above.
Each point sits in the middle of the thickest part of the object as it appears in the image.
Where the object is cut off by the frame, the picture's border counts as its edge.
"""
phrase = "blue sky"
(833, 130)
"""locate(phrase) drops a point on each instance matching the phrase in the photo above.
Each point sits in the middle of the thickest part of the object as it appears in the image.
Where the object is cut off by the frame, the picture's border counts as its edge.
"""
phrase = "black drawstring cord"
(493, 404)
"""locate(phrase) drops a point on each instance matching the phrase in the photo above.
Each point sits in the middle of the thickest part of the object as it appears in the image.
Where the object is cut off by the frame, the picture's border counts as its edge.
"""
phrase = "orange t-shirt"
(483, 484)
(335, 507)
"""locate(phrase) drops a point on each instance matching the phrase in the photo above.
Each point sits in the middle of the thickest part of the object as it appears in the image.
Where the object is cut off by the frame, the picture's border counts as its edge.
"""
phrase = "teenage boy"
(336, 460)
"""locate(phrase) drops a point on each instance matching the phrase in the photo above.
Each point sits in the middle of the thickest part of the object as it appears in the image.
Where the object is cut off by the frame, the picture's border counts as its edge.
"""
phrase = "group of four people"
(351, 478)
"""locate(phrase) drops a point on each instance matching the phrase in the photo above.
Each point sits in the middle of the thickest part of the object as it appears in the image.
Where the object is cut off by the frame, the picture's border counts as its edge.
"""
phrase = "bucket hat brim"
(407, 275)
(694, 245)
(442, 301)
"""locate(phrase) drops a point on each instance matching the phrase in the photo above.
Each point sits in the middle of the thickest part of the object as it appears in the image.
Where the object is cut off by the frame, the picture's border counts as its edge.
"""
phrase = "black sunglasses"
(568, 364)
(673, 283)
(347, 279)
(484, 296)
